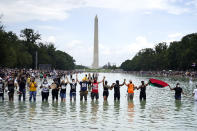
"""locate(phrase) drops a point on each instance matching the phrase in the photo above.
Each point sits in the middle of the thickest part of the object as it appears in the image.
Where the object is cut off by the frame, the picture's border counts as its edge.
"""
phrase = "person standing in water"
(195, 93)
(55, 89)
(32, 89)
(95, 93)
(11, 87)
(73, 86)
(45, 90)
(83, 90)
(142, 88)
(106, 89)
(2, 88)
(22, 88)
(117, 89)
(178, 91)
(63, 91)
(130, 90)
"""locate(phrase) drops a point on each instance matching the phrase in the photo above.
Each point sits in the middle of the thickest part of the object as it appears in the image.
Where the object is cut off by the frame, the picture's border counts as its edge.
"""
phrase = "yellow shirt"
(32, 86)
(28, 80)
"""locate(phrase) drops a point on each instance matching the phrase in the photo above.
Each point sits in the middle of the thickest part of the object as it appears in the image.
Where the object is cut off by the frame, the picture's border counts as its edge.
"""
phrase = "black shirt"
(143, 89)
(56, 90)
(73, 87)
(63, 87)
(83, 85)
(11, 85)
(116, 88)
(178, 91)
(22, 85)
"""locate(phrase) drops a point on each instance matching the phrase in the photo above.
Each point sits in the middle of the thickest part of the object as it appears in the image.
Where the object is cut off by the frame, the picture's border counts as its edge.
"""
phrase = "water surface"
(159, 112)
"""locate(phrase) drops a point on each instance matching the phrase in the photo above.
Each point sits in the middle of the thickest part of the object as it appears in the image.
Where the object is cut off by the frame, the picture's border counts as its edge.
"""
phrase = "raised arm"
(170, 87)
(123, 83)
(102, 80)
(147, 83)
(112, 86)
(77, 79)
(67, 81)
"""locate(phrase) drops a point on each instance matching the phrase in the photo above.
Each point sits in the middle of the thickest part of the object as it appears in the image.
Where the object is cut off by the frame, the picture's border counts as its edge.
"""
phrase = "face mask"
(178, 85)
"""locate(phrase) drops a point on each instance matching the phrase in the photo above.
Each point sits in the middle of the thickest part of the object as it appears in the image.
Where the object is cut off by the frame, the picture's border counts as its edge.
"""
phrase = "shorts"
(177, 97)
(142, 96)
(130, 96)
(96, 95)
(62, 95)
(83, 94)
(105, 93)
(72, 94)
(117, 96)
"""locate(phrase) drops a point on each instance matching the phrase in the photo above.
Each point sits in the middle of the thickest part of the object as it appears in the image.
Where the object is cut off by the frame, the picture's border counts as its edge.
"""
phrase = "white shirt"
(45, 87)
(195, 94)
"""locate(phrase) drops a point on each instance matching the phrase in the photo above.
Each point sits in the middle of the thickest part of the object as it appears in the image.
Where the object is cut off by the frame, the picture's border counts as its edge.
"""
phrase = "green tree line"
(179, 55)
(19, 52)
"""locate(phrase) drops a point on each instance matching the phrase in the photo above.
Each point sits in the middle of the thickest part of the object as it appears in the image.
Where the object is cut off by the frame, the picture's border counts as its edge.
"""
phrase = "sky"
(125, 26)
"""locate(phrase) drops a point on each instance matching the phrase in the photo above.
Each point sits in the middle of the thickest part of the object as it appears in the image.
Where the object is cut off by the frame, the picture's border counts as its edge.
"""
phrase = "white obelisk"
(95, 64)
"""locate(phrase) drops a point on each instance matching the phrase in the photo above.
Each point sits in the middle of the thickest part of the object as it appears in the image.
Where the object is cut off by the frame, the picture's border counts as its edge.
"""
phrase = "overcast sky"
(125, 26)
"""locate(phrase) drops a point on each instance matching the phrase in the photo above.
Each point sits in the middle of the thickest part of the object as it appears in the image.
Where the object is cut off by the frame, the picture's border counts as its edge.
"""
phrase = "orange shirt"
(130, 88)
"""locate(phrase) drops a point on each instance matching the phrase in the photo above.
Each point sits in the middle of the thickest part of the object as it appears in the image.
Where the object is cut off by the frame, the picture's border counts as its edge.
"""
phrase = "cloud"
(81, 52)
(51, 39)
(175, 35)
(47, 27)
(26, 10)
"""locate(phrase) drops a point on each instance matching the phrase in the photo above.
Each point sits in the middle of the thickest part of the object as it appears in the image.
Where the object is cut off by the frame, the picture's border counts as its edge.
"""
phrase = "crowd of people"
(165, 73)
(24, 80)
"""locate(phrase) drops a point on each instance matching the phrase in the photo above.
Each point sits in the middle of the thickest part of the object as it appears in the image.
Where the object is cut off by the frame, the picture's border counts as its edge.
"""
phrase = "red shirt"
(95, 87)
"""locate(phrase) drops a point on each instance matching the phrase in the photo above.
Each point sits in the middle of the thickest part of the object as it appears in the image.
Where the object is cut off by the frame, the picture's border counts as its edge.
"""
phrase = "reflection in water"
(130, 110)
(195, 106)
(44, 105)
(73, 106)
(161, 109)
(55, 106)
(10, 110)
(32, 110)
(117, 107)
(105, 105)
(83, 113)
(94, 110)
(22, 107)
(178, 105)
(142, 104)
(83, 106)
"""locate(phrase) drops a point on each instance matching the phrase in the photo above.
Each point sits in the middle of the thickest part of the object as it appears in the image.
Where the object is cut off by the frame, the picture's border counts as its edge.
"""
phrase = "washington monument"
(95, 64)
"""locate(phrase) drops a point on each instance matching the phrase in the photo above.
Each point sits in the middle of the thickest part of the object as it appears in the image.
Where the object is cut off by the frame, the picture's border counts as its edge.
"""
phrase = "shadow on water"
(130, 111)
(178, 105)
